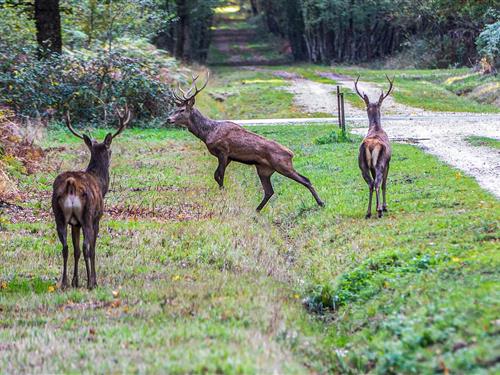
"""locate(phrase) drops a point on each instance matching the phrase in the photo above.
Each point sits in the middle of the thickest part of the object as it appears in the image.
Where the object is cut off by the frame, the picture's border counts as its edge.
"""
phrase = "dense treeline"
(433, 32)
(187, 36)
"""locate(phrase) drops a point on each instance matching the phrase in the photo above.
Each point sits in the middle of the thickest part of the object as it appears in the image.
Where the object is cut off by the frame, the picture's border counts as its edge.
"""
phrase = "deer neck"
(374, 122)
(100, 170)
(200, 125)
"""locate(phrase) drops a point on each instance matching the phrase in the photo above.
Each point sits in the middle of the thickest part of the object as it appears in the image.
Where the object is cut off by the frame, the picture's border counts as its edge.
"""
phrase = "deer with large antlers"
(375, 151)
(228, 142)
(78, 200)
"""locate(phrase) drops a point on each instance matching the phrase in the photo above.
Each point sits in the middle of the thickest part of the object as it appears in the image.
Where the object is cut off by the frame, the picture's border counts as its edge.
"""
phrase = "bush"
(488, 44)
(89, 86)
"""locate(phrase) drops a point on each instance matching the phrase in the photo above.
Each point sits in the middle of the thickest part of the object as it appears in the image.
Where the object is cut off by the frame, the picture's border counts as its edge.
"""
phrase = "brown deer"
(230, 142)
(375, 151)
(77, 200)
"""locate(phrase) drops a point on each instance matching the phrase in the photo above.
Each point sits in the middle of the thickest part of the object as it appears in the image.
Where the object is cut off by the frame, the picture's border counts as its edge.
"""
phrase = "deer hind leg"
(88, 240)
(379, 175)
(75, 235)
(303, 180)
(366, 175)
(221, 169)
(384, 185)
(265, 178)
(93, 277)
(62, 232)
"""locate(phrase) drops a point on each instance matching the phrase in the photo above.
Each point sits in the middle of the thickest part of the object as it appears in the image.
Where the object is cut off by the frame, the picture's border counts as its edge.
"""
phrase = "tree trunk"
(182, 28)
(48, 27)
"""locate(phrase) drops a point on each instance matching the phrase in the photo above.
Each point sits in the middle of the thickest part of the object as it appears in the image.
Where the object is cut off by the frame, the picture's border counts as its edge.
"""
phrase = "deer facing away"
(230, 142)
(375, 151)
(77, 200)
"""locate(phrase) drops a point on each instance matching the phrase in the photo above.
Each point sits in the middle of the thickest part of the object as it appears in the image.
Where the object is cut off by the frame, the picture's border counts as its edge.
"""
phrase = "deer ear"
(87, 141)
(108, 139)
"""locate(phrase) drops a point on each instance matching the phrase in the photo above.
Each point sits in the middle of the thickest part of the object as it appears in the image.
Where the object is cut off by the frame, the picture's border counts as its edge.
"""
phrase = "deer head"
(185, 102)
(373, 109)
(101, 151)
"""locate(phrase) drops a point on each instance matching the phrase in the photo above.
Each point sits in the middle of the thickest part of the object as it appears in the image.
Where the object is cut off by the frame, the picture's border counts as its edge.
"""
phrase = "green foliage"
(488, 43)
(358, 30)
(336, 136)
(89, 86)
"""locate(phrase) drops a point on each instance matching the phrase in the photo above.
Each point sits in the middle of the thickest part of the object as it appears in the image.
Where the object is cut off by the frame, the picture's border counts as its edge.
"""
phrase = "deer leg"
(265, 178)
(62, 232)
(366, 175)
(75, 235)
(384, 184)
(87, 244)
(378, 181)
(92, 256)
(292, 174)
(221, 169)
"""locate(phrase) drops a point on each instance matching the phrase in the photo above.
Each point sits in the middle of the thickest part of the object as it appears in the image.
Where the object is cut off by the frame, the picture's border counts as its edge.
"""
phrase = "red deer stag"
(375, 151)
(230, 142)
(77, 200)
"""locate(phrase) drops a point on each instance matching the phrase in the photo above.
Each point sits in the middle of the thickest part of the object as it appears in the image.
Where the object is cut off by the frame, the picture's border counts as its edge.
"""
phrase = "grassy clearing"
(484, 141)
(249, 94)
(433, 89)
(204, 284)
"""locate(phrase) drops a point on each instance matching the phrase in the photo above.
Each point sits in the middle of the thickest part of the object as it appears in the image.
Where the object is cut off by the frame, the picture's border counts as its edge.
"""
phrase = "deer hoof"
(74, 283)
(380, 214)
(64, 285)
(384, 208)
(321, 204)
(368, 216)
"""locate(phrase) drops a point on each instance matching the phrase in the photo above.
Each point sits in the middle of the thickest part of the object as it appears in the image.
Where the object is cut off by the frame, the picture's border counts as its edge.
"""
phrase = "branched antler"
(391, 86)
(362, 96)
(186, 96)
(123, 119)
(68, 124)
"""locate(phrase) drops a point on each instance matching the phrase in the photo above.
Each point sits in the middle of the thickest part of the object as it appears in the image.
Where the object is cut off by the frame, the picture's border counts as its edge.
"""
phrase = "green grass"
(250, 95)
(207, 285)
(432, 89)
(483, 141)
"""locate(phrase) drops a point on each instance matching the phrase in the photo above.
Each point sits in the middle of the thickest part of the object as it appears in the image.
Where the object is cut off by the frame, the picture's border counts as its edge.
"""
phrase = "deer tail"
(70, 186)
(375, 154)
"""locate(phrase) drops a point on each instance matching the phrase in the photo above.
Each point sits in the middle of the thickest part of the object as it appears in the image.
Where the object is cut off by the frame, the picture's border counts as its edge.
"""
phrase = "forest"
(138, 137)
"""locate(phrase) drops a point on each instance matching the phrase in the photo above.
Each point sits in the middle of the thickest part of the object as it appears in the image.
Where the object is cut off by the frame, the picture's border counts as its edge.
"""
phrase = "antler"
(188, 95)
(68, 124)
(123, 119)
(391, 86)
(362, 96)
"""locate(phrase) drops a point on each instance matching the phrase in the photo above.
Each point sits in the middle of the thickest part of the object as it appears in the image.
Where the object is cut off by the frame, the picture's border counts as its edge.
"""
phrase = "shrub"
(488, 44)
(90, 86)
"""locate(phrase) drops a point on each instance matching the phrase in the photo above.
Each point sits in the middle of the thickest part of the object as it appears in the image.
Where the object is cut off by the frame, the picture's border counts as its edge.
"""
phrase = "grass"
(484, 141)
(439, 90)
(192, 280)
(249, 94)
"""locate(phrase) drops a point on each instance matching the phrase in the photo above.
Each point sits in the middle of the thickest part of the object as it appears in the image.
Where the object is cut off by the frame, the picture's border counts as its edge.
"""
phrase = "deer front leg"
(75, 235)
(221, 169)
(265, 178)
(62, 232)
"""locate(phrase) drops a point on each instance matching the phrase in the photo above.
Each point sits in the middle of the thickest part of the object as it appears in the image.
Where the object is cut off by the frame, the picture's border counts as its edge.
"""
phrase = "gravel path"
(441, 134)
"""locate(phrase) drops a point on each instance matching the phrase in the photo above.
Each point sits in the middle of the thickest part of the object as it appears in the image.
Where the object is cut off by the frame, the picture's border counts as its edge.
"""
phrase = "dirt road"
(441, 134)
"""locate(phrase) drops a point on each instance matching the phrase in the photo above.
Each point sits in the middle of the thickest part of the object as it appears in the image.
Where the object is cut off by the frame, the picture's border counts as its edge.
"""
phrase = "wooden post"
(338, 106)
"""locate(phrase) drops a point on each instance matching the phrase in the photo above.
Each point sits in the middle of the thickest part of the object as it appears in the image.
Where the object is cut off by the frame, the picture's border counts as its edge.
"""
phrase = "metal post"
(343, 112)
(338, 106)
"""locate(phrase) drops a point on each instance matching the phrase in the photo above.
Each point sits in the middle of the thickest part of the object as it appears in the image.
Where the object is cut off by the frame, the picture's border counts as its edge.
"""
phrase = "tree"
(48, 27)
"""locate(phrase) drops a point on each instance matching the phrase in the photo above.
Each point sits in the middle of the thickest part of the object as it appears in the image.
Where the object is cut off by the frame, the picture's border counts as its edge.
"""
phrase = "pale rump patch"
(72, 209)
